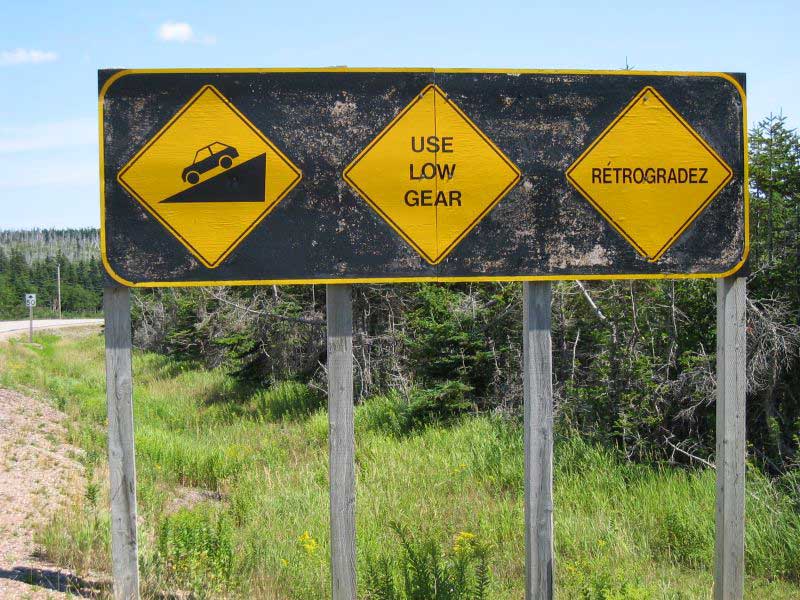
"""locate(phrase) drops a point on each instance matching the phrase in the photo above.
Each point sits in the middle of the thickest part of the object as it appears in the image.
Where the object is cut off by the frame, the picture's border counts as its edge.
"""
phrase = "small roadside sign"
(30, 300)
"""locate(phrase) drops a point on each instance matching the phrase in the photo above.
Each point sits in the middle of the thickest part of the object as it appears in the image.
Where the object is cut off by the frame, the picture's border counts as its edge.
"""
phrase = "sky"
(50, 53)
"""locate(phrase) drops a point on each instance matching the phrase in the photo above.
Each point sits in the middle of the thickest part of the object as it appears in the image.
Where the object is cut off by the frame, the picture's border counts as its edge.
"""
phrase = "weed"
(194, 550)
(423, 571)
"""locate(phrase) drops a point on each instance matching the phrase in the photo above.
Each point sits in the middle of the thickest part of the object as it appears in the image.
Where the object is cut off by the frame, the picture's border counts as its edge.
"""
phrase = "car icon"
(207, 158)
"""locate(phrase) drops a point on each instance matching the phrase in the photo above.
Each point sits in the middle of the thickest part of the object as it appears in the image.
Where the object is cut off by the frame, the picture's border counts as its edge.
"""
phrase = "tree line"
(21, 273)
(80, 244)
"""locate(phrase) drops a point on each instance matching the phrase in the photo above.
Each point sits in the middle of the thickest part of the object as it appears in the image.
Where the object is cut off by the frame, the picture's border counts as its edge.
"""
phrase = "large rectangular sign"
(345, 175)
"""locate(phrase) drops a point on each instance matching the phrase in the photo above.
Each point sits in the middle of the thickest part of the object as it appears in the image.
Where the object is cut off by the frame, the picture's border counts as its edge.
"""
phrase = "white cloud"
(175, 32)
(181, 32)
(22, 56)
(48, 136)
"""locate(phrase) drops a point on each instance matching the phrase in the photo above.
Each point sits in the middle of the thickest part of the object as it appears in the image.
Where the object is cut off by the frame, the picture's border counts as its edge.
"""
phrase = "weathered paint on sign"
(348, 175)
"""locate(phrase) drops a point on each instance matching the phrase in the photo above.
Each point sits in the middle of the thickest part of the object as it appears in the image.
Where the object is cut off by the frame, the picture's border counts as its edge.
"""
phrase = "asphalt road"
(13, 328)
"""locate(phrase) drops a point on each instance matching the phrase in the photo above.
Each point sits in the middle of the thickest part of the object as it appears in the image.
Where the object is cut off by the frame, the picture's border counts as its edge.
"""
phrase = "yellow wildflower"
(464, 542)
(308, 543)
(459, 469)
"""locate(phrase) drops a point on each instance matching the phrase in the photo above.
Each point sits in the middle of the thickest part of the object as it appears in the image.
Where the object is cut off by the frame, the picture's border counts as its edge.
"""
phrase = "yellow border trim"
(745, 184)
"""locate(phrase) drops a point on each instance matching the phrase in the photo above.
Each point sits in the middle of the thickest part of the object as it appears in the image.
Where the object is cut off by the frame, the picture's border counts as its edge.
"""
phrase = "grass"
(233, 490)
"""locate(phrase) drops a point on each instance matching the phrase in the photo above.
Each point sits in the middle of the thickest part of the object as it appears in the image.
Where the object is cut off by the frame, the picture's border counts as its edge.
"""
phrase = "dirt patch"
(37, 476)
(188, 497)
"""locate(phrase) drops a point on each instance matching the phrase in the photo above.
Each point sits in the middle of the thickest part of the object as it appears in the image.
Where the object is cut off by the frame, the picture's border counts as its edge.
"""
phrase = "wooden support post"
(537, 375)
(30, 324)
(731, 388)
(342, 441)
(121, 457)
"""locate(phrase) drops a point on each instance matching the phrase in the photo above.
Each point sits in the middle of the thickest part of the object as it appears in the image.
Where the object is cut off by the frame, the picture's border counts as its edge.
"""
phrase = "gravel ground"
(37, 471)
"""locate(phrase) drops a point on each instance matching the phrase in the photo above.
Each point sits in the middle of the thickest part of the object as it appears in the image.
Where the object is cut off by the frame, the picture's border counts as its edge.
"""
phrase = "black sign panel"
(346, 175)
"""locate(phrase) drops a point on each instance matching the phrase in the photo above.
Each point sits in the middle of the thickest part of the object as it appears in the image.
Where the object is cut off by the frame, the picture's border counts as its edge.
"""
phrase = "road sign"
(432, 174)
(204, 176)
(649, 174)
(30, 300)
(337, 175)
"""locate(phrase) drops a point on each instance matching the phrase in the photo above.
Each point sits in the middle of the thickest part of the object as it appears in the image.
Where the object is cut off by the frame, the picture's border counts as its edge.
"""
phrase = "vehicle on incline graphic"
(209, 157)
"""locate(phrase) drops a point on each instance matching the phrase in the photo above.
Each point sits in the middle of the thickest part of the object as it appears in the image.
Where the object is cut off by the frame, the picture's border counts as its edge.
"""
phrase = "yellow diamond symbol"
(209, 176)
(432, 174)
(649, 174)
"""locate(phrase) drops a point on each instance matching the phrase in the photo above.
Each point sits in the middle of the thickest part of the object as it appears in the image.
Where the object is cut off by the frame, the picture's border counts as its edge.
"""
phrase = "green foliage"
(386, 413)
(395, 414)
(423, 571)
(195, 551)
(287, 400)
(449, 334)
(497, 458)
(775, 263)
(254, 488)
(607, 583)
(441, 403)
(81, 287)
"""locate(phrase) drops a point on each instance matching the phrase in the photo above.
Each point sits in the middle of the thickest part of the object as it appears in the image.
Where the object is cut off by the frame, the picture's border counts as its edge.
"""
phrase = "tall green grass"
(233, 492)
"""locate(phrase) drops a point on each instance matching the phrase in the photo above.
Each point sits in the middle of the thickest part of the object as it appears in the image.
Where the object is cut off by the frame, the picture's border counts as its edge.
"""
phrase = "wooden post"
(121, 457)
(731, 388)
(537, 376)
(342, 441)
(30, 323)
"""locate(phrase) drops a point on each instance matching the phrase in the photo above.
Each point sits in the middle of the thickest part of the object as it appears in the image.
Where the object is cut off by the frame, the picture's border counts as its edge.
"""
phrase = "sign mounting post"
(30, 302)
(537, 379)
(341, 434)
(730, 460)
(121, 453)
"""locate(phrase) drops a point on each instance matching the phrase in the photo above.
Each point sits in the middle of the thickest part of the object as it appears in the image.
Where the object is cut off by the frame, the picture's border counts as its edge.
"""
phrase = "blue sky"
(50, 53)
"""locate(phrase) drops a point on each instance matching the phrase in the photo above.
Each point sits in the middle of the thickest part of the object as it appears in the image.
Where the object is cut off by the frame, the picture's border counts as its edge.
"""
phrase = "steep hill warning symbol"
(209, 176)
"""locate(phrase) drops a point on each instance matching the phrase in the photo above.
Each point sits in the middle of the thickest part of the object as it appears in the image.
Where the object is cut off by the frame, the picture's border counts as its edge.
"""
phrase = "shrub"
(194, 550)
(391, 413)
(288, 400)
(441, 403)
(423, 571)
(387, 413)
